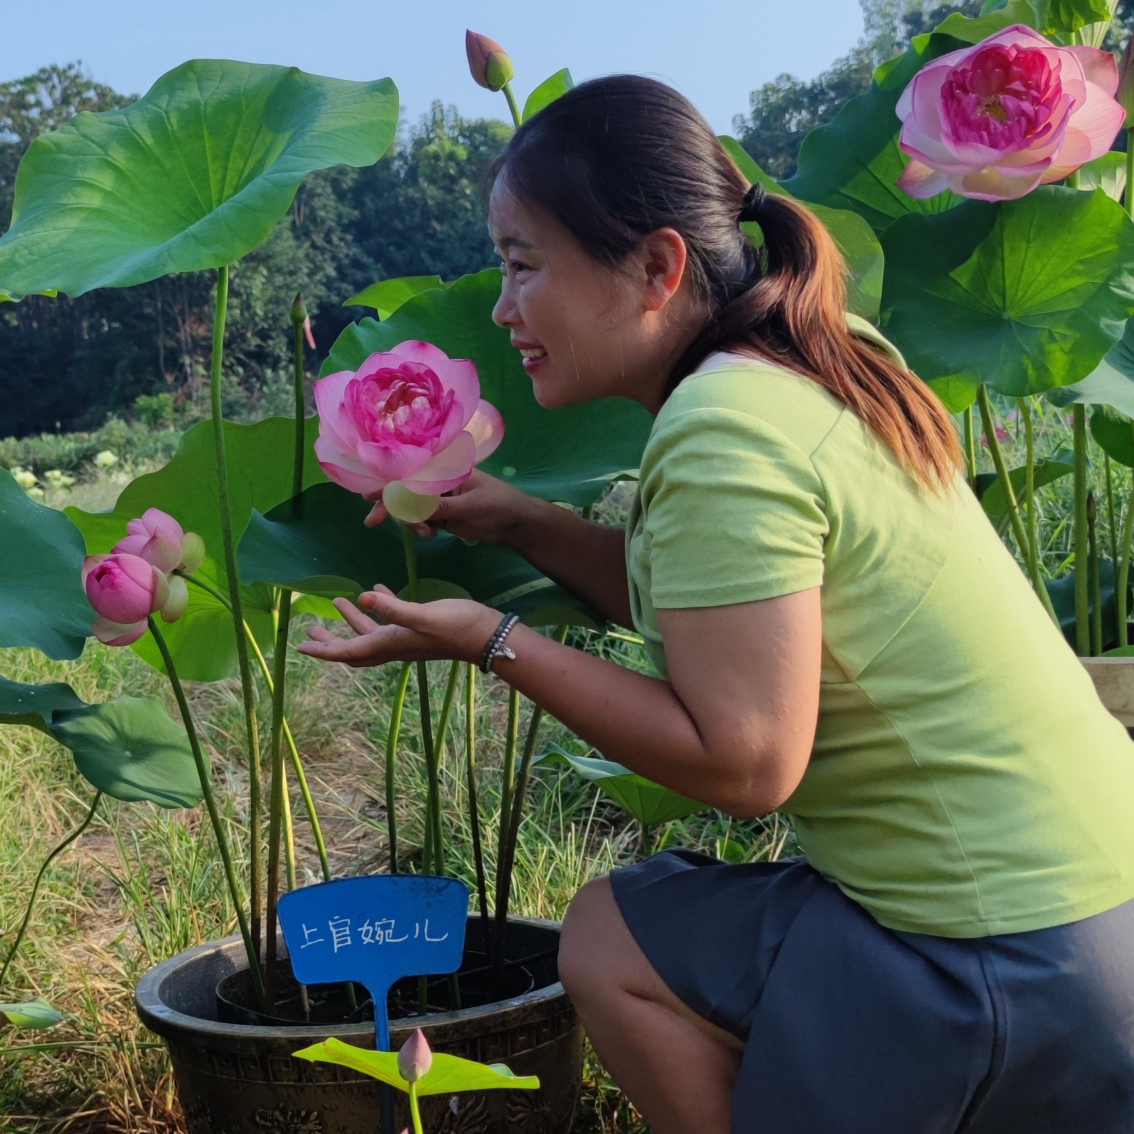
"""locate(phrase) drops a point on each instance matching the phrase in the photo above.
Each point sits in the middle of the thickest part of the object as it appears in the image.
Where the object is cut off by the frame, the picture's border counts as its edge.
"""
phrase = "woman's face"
(587, 331)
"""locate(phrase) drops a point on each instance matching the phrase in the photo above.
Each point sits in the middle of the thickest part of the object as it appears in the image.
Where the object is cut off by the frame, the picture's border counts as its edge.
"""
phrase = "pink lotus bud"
(300, 318)
(192, 553)
(115, 633)
(411, 414)
(415, 1057)
(489, 63)
(124, 588)
(156, 537)
(1014, 111)
(177, 602)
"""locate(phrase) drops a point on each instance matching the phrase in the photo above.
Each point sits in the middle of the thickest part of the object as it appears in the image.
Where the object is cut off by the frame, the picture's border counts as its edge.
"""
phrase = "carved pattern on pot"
(528, 1113)
(470, 1114)
(288, 1121)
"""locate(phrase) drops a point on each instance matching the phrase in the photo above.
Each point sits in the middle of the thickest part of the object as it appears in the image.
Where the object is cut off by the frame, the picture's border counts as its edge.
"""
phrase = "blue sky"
(715, 51)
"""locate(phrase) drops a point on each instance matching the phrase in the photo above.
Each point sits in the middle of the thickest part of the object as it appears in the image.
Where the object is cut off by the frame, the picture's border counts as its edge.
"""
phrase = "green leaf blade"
(31, 1014)
(547, 92)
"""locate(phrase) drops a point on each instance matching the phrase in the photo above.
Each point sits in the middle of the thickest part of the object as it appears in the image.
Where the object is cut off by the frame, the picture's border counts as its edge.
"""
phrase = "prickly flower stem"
(1111, 522)
(1081, 535)
(1123, 580)
(516, 119)
(39, 878)
(474, 807)
(296, 762)
(249, 693)
(1021, 537)
(211, 807)
(391, 762)
(439, 743)
(1096, 588)
(970, 448)
(276, 802)
(1030, 479)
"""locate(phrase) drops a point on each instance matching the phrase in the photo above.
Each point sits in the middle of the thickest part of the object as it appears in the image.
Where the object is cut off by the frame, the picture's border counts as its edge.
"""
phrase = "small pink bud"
(124, 588)
(489, 63)
(415, 1057)
(156, 537)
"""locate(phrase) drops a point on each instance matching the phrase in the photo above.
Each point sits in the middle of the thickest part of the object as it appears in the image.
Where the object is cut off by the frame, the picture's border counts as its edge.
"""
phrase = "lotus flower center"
(403, 405)
(1006, 98)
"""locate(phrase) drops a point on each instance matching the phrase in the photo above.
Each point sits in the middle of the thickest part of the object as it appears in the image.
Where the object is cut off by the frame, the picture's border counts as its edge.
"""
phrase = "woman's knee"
(585, 938)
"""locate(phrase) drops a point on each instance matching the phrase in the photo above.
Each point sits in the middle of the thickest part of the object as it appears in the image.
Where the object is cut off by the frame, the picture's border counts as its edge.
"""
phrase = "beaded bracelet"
(495, 647)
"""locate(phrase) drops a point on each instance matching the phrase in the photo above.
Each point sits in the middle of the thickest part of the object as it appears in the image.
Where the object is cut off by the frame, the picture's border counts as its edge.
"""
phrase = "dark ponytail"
(618, 158)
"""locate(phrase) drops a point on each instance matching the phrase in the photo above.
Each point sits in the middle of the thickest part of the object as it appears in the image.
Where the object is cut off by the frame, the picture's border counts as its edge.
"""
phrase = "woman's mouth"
(532, 357)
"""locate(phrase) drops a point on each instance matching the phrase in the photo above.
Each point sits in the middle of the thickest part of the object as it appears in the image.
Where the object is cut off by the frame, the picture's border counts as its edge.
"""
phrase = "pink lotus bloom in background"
(158, 538)
(411, 416)
(1014, 111)
(124, 590)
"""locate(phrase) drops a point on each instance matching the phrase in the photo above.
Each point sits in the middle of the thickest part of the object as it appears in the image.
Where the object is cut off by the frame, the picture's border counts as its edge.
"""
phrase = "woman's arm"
(585, 558)
(733, 728)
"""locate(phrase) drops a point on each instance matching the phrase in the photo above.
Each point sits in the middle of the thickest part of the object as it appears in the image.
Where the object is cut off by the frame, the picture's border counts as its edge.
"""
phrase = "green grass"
(142, 884)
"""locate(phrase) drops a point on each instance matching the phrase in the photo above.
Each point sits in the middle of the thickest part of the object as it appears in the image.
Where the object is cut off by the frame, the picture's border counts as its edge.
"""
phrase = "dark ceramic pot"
(240, 1078)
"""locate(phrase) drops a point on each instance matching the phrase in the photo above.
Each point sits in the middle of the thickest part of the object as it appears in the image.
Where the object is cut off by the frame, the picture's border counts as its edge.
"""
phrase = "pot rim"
(168, 1023)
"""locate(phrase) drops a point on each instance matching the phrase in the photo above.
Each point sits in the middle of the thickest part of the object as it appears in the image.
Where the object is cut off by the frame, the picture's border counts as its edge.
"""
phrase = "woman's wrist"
(534, 524)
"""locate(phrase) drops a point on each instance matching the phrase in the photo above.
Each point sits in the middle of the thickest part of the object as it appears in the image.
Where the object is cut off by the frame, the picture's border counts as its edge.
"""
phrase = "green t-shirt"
(965, 779)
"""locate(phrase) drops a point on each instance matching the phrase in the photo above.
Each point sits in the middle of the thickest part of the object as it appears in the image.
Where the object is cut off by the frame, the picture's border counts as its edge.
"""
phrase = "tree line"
(67, 363)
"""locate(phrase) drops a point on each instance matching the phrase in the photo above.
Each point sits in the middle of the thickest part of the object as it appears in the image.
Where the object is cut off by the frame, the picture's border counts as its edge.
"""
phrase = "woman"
(839, 634)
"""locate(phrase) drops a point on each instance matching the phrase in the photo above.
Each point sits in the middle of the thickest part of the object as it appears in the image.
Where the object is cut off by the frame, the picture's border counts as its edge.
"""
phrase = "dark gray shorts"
(851, 1028)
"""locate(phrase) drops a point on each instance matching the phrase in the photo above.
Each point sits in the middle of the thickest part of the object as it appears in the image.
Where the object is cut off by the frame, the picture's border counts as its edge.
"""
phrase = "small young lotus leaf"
(32, 1014)
(448, 1075)
(386, 297)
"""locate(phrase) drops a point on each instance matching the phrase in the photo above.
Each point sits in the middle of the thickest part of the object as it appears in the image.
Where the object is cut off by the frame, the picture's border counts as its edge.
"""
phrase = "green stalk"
(296, 762)
(391, 762)
(415, 1113)
(439, 743)
(970, 448)
(1022, 542)
(251, 726)
(39, 879)
(1123, 580)
(1081, 536)
(1128, 197)
(474, 809)
(516, 119)
(1030, 481)
(275, 806)
(1096, 588)
(645, 840)
(507, 779)
(211, 807)
(1112, 526)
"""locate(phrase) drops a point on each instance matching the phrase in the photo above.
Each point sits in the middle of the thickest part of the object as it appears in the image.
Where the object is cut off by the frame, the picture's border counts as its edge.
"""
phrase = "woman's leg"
(676, 1068)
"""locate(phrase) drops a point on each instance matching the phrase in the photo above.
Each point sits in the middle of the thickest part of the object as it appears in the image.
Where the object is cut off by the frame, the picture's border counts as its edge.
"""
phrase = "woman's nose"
(505, 313)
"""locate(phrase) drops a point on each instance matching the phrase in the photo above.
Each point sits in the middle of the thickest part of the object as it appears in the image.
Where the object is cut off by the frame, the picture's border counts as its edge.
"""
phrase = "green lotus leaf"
(318, 544)
(991, 491)
(260, 460)
(128, 748)
(30, 1014)
(853, 162)
(646, 801)
(1107, 173)
(975, 28)
(42, 603)
(568, 454)
(1111, 383)
(1024, 295)
(194, 175)
(1114, 433)
(547, 92)
(448, 1074)
(855, 238)
(386, 297)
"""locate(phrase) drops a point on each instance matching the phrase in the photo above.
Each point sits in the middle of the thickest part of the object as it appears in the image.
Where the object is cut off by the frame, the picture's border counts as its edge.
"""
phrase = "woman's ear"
(662, 257)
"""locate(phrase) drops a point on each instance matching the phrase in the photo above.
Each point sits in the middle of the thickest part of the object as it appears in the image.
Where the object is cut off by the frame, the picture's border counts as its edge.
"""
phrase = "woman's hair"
(615, 159)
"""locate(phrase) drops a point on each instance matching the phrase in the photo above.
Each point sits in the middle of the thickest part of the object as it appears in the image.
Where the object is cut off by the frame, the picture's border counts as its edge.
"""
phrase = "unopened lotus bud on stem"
(192, 553)
(415, 1057)
(492, 68)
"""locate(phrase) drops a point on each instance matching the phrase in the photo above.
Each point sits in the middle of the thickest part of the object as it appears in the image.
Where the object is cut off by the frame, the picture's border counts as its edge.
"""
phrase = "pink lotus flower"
(158, 538)
(995, 120)
(411, 417)
(124, 590)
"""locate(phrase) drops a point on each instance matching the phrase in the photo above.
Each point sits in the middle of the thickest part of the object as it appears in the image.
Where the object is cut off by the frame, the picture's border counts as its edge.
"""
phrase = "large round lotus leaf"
(1114, 433)
(260, 460)
(318, 544)
(565, 454)
(1111, 383)
(855, 238)
(132, 750)
(1024, 295)
(853, 162)
(193, 175)
(128, 748)
(42, 603)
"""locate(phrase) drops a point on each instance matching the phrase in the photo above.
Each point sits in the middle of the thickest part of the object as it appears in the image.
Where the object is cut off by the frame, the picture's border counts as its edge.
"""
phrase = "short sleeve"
(732, 511)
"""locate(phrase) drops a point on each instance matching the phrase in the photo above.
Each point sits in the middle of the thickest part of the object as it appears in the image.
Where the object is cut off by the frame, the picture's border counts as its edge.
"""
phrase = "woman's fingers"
(377, 514)
(354, 617)
(321, 635)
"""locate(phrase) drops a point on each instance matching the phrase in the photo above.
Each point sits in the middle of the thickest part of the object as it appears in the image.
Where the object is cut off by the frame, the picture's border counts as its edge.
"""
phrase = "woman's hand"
(483, 508)
(408, 631)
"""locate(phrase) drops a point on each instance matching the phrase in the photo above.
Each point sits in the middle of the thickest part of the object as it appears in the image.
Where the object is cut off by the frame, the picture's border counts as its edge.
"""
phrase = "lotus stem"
(276, 801)
(214, 813)
(1128, 196)
(1021, 536)
(415, 1113)
(1030, 479)
(1123, 579)
(646, 840)
(296, 762)
(255, 833)
(439, 742)
(1096, 588)
(391, 762)
(970, 448)
(1081, 535)
(474, 808)
(512, 106)
(1112, 525)
(39, 879)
